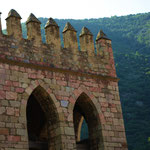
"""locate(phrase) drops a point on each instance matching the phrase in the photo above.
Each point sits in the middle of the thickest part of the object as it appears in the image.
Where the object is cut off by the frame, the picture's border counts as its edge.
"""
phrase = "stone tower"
(49, 93)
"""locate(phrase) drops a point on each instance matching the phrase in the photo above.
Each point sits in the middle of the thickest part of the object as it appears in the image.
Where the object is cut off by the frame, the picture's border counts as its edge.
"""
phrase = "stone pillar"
(52, 33)
(13, 24)
(34, 30)
(70, 37)
(86, 41)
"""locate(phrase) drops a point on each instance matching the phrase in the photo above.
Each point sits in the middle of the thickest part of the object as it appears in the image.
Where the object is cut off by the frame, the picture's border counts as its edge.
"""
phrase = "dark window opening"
(36, 125)
(86, 124)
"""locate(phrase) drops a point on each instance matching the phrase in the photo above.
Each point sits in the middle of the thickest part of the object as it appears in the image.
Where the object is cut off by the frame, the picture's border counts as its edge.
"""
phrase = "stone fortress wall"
(60, 86)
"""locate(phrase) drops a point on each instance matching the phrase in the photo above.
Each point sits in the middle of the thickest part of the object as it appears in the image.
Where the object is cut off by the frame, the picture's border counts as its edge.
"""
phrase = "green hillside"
(131, 45)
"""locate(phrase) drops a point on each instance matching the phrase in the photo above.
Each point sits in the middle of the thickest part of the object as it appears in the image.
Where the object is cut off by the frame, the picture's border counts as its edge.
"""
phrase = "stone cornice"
(49, 68)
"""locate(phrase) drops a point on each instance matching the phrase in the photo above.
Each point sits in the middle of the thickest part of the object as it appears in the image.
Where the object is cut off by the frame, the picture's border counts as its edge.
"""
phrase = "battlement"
(13, 48)
(49, 92)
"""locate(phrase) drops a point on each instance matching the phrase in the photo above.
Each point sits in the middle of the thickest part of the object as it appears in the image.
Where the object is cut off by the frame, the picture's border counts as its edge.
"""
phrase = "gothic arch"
(84, 107)
(39, 83)
(77, 92)
(45, 106)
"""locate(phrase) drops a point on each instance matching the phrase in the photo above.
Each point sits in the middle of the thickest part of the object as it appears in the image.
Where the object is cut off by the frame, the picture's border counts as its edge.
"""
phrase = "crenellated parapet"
(14, 24)
(103, 45)
(52, 33)
(70, 37)
(86, 41)
(33, 29)
(51, 54)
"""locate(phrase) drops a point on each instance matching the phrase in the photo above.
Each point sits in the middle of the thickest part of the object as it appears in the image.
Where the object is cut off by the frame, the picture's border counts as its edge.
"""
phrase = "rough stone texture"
(86, 41)
(64, 84)
(14, 25)
(70, 38)
(52, 34)
(33, 30)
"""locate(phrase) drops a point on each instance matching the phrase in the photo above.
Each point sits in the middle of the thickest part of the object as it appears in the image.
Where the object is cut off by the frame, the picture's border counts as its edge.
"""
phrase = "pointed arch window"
(87, 124)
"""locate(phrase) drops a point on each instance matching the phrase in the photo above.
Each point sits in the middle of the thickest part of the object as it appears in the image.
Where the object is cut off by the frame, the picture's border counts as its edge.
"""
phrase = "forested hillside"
(131, 45)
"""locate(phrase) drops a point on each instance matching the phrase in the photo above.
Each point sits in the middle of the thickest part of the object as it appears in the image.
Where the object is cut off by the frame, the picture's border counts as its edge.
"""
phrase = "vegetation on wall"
(131, 46)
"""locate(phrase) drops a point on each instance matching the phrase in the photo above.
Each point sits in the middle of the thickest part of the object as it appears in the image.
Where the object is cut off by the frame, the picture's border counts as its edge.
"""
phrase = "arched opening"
(37, 125)
(42, 121)
(87, 124)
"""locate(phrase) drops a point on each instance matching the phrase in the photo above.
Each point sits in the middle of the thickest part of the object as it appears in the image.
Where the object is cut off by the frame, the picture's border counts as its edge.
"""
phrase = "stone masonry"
(64, 85)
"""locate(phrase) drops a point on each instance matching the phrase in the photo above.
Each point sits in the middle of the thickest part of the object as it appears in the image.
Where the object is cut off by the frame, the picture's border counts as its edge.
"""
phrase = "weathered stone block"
(13, 138)
(10, 110)
(64, 103)
(4, 131)
(21, 132)
(11, 95)
(69, 131)
(2, 95)
(2, 137)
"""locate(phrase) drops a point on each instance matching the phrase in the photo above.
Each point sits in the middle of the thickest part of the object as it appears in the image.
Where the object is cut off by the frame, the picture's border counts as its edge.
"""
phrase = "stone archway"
(42, 121)
(84, 108)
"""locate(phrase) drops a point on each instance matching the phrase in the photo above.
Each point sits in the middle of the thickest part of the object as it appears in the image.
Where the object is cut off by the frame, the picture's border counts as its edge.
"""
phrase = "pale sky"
(73, 9)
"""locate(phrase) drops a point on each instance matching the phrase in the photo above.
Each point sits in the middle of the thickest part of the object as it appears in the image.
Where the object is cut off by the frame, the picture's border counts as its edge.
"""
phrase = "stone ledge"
(49, 68)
